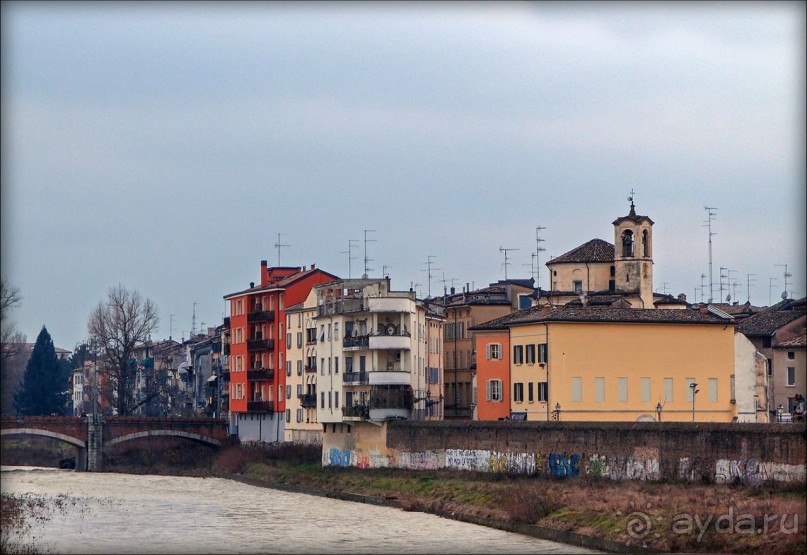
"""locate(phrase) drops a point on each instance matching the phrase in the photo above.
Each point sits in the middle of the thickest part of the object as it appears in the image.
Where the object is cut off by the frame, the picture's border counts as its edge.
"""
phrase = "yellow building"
(622, 364)
(301, 373)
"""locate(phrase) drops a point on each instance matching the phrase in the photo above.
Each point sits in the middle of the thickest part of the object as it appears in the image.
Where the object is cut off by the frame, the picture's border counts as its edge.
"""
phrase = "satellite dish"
(390, 329)
(784, 295)
(728, 298)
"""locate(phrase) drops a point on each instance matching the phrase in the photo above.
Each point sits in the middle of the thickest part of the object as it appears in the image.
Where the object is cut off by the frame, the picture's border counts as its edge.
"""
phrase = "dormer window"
(627, 243)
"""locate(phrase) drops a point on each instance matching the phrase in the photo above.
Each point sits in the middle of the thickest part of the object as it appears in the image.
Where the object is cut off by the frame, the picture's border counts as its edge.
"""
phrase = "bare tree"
(120, 324)
(9, 298)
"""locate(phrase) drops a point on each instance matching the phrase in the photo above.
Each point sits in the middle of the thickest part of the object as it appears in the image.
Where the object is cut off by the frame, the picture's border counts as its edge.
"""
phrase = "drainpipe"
(546, 326)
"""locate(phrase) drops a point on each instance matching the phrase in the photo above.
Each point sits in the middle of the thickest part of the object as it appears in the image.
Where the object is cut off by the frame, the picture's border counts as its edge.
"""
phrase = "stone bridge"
(90, 437)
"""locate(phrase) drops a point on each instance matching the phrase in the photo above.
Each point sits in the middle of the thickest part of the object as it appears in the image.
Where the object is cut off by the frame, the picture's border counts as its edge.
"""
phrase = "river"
(96, 512)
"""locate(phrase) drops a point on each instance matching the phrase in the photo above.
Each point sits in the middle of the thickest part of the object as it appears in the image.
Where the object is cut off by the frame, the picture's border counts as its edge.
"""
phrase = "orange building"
(258, 348)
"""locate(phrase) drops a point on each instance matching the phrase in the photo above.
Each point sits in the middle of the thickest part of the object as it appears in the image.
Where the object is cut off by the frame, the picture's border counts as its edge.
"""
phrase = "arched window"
(627, 243)
(645, 244)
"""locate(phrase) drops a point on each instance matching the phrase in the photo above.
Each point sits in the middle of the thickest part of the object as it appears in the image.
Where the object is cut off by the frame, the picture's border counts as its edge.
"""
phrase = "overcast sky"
(164, 146)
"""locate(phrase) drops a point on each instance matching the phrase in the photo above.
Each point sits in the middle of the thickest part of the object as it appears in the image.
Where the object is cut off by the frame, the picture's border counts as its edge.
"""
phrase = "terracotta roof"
(609, 314)
(595, 250)
(502, 322)
(280, 284)
(766, 323)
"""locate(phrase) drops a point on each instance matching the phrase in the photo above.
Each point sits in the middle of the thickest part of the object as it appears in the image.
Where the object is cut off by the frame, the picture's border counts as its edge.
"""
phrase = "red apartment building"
(257, 358)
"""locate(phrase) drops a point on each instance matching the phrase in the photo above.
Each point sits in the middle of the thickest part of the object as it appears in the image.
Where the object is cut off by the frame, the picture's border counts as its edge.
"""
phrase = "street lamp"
(779, 410)
(557, 411)
(693, 385)
(658, 410)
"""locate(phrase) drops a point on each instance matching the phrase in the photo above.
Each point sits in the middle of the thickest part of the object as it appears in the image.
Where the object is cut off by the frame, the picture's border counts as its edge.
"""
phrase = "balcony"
(311, 369)
(308, 400)
(355, 378)
(260, 316)
(391, 402)
(394, 342)
(356, 342)
(260, 345)
(341, 307)
(259, 406)
(260, 374)
(356, 412)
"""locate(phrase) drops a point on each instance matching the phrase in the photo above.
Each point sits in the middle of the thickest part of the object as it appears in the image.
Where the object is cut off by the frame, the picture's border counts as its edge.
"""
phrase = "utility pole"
(505, 251)
(366, 260)
(711, 214)
(278, 245)
(350, 256)
(538, 250)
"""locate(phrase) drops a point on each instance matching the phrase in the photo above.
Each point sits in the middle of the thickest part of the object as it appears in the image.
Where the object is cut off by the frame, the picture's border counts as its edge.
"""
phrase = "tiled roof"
(595, 250)
(766, 323)
(502, 322)
(621, 315)
(280, 284)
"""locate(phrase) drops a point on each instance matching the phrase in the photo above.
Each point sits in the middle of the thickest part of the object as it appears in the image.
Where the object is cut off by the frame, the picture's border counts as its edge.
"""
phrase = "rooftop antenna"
(731, 286)
(413, 286)
(170, 326)
(505, 251)
(722, 275)
(350, 257)
(770, 288)
(711, 215)
(366, 260)
(787, 285)
(538, 250)
(748, 285)
(533, 256)
(664, 288)
(384, 272)
(278, 245)
(703, 276)
(193, 321)
(429, 272)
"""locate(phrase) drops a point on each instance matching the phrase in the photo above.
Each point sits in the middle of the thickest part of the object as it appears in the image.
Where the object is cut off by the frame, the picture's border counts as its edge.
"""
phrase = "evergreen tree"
(45, 384)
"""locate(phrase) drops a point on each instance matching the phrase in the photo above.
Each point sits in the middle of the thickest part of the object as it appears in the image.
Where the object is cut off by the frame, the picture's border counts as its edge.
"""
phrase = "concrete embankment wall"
(751, 454)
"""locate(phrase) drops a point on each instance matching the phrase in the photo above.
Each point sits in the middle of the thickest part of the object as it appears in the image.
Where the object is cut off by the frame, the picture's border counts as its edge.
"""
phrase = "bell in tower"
(633, 257)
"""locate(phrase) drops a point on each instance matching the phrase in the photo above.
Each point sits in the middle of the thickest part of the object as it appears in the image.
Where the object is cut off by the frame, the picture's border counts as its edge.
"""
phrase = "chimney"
(452, 290)
(313, 266)
(704, 309)
(682, 297)
(263, 263)
(251, 284)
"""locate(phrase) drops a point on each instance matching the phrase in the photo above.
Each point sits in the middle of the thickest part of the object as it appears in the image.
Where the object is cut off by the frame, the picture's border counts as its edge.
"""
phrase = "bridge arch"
(171, 433)
(10, 432)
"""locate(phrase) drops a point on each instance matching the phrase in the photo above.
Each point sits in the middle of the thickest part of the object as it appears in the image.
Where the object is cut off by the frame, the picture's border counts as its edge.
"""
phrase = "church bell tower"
(633, 256)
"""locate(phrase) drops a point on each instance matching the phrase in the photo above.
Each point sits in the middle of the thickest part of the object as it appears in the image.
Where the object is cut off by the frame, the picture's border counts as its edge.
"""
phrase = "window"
(599, 390)
(288, 368)
(336, 399)
(577, 286)
(713, 390)
(299, 415)
(791, 355)
(622, 390)
(530, 397)
(494, 351)
(288, 392)
(518, 354)
(329, 400)
(322, 400)
(335, 365)
(542, 354)
(348, 364)
(577, 390)
(299, 389)
(668, 390)
(530, 354)
(288, 415)
(494, 392)
(543, 390)
(791, 376)
(288, 341)
(524, 301)
(518, 392)
(299, 340)
(646, 390)
(299, 367)
(690, 389)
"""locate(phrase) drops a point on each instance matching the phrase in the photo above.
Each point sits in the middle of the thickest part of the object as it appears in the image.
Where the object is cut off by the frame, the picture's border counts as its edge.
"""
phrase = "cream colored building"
(301, 373)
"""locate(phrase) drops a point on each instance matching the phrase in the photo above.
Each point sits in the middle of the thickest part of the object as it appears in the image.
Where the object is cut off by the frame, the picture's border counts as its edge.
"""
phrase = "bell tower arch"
(633, 256)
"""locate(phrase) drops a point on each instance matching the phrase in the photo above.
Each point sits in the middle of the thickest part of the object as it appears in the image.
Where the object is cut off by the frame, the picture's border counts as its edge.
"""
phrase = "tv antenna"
(278, 245)
(711, 215)
(366, 260)
(384, 272)
(748, 285)
(770, 288)
(533, 256)
(429, 274)
(170, 326)
(787, 285)
(538, 250)
(349, 253)
(193, 321)
(444, 281)
(505, 251)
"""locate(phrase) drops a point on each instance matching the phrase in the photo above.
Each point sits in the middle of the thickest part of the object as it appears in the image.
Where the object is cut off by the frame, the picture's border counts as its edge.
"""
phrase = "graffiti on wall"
(427, 460)
(339, 457)
(564, 466)
(370, 459)
(753, 472)
(468, 459)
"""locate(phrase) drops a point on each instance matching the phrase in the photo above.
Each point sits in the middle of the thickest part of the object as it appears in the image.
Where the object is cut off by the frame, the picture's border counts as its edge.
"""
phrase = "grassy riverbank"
(664, 517)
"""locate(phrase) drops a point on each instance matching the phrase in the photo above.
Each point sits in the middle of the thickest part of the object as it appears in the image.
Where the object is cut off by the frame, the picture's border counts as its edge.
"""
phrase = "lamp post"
(779, 410)
(557, 412)
(658, 410)
(693, 385)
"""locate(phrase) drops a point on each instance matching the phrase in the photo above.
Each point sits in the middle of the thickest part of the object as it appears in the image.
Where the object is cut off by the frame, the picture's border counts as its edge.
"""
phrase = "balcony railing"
(311, 338)
(355, 378)
(362, 341)
(260, 316)
(260, 345)
(259, 406)
(392, 398)
(311, 368)
(356, 411)
(308, 400)
(260, 374)
(340, 307)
